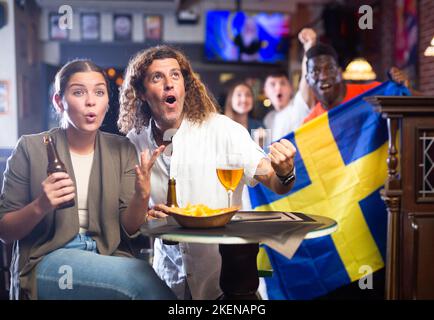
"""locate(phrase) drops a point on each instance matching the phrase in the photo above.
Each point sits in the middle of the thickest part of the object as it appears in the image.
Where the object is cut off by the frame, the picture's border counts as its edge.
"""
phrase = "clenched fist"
(282, 155)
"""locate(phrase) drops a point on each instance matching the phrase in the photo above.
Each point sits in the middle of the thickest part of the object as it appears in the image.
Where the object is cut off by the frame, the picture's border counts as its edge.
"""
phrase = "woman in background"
(239, 103)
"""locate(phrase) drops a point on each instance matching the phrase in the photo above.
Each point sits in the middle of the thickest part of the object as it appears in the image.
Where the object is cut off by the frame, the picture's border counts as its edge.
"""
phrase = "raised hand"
(143, 172)
(307, 37)
(282, 157)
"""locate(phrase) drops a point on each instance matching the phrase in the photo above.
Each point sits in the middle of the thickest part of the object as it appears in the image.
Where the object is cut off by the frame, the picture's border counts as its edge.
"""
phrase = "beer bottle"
(171, 202)
(55, 165)
(171, 193)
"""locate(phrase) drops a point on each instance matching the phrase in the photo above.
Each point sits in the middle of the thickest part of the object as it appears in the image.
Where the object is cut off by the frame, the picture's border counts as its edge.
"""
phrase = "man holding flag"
(341, 166)
(324, 77)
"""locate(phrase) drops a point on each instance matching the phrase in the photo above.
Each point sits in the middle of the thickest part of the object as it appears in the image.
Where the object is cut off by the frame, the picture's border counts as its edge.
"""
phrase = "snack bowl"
(219, 217)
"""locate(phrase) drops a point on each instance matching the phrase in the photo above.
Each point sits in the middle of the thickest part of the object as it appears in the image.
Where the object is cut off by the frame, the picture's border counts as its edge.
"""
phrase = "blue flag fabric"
(341, 167)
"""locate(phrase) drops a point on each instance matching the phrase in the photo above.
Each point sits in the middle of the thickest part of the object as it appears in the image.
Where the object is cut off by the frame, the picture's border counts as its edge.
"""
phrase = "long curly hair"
(135, 113)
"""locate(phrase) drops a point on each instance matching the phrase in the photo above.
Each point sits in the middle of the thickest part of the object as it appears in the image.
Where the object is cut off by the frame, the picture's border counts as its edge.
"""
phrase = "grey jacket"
(111, 187)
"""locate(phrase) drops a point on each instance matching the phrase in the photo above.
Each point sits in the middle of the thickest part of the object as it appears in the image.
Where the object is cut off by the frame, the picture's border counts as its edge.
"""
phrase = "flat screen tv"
(254, 37)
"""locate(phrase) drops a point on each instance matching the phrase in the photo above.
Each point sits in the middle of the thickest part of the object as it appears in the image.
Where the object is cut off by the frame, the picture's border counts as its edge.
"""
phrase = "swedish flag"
(341, 166)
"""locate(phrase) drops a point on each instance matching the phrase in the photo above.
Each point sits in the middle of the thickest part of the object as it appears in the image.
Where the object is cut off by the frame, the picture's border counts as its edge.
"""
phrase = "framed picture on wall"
(4, 97)
(122, 27)
(153, 27)
(56, 32)
(90, 26)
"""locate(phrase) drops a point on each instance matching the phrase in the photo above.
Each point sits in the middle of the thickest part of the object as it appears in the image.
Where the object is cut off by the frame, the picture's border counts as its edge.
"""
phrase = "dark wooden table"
(239, 273)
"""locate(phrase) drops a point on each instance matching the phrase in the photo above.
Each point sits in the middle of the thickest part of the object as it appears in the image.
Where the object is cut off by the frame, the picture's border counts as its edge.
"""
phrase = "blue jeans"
(77, 271)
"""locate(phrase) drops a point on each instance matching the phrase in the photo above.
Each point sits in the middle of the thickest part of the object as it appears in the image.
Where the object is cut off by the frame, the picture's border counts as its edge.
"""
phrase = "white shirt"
(193, 165)
(288, 119)
(82, 165)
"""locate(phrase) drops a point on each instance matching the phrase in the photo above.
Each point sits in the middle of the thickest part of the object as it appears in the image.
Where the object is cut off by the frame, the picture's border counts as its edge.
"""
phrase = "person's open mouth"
(170, 100)
(90, 117)
(325, 86)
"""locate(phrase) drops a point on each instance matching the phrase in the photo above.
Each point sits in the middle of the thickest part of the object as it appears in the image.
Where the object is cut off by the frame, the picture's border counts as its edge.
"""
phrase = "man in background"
(324, 76)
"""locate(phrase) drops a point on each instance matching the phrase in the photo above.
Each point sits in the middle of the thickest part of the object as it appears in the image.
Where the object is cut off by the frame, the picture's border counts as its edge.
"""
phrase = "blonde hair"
(136, 113)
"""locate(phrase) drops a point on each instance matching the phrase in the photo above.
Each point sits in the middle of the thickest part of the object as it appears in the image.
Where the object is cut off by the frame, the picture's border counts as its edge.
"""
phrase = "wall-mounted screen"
(251, 37)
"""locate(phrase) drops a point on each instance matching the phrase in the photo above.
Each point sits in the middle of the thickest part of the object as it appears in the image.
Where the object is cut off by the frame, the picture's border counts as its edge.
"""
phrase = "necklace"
(158, 135)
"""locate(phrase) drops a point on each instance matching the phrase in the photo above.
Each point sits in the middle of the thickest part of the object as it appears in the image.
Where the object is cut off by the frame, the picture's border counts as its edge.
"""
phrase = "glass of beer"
(230, 170)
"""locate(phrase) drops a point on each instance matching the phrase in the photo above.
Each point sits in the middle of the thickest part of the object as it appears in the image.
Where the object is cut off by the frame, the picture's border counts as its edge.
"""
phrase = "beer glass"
(230, 170)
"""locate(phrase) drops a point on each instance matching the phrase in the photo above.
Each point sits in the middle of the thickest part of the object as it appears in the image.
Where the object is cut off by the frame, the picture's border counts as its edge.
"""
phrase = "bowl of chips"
(201, 216)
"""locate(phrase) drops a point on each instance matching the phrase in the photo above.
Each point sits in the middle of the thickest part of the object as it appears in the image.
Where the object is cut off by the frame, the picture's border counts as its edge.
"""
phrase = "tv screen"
(246, 37)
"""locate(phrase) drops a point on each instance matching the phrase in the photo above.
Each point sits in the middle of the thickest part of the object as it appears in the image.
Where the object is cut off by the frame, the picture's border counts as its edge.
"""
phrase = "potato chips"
(199, 210)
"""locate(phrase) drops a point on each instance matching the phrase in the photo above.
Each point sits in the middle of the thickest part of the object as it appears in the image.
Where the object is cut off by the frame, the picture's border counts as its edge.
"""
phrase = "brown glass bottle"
(171, 193)
(56, 165)
(171, 202)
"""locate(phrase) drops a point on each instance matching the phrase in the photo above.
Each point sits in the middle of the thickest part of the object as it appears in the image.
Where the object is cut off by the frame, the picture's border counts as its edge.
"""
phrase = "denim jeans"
(77, 271)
